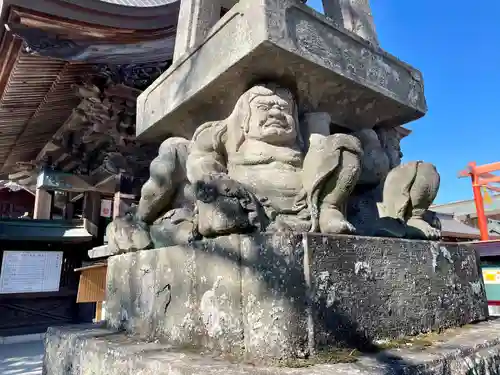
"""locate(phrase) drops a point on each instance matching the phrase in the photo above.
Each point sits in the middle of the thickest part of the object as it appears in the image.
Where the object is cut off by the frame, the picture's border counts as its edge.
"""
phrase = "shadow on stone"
(268, 297)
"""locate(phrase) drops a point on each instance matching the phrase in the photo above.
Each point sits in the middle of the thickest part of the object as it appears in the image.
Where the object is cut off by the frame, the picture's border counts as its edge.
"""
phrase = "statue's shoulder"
(210, 135)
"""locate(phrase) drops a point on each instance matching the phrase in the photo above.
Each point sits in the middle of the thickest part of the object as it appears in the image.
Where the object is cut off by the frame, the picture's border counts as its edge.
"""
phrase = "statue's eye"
(263, 107)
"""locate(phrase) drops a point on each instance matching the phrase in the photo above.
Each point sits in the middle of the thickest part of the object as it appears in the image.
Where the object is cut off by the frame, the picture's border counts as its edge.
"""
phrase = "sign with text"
(30, 271)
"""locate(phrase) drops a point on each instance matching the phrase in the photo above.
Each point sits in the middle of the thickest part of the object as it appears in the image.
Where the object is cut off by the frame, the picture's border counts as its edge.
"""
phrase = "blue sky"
(456, 45)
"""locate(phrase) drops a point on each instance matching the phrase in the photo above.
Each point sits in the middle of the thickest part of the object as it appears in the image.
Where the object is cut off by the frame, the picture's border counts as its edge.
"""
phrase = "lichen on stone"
(330, 356)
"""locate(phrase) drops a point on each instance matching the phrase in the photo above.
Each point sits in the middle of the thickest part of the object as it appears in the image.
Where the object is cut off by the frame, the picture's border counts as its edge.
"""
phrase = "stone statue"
(251, 171)
(398, 195)
(254, 171)
(164, 215)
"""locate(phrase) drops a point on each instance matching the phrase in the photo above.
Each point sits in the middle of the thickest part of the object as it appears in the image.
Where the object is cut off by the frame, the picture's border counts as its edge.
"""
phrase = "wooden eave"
(36, 92)
(78, 30)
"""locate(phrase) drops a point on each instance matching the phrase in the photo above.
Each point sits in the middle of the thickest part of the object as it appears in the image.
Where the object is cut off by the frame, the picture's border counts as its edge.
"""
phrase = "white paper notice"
(30, 271)
(106, 205)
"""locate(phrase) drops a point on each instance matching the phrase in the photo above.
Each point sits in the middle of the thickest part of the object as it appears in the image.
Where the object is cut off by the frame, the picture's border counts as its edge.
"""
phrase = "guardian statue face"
(392, 145)
(272, 116)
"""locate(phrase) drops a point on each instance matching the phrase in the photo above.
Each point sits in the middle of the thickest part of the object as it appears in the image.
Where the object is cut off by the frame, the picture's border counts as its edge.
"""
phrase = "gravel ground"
(21, 359)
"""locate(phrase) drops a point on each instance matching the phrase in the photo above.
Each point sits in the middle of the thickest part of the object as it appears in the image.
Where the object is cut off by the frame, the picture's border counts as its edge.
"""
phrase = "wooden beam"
(43, 204)
(91, 212)
(479, 170)
(488, 180)
(493, 188)
(98, 311)
(121, 203)
(62, 181)
(76, 198)
(79, 30)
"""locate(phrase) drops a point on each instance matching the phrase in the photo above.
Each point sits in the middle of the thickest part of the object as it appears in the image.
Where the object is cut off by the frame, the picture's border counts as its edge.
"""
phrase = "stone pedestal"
(287, 296)
(97, 350)
(334, 70)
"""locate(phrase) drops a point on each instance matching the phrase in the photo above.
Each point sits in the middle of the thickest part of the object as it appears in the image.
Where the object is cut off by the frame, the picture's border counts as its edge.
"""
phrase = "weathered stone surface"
(354, 15)
(125, 234)
(95, 350)
(196, 18)
(189, 295)
(219, 297)
(101, 252)
(335, 71)
(282, 295)
(274, 293)
(139, 291)
(365, 288)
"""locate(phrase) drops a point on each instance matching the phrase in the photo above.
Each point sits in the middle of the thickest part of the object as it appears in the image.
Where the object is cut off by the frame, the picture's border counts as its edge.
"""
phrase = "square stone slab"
(80, 350)
(335, 71)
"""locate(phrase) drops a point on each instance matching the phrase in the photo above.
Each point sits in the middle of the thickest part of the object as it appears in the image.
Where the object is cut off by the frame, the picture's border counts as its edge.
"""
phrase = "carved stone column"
(353, 15)
(196, 18)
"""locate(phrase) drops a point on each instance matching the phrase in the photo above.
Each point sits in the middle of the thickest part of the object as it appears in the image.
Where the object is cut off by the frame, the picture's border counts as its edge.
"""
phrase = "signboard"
(106, 206)
(30, 271)
(491, 275)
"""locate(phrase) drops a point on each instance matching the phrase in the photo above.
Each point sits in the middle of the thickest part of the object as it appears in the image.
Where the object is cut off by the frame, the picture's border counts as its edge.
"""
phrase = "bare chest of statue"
(271, 171)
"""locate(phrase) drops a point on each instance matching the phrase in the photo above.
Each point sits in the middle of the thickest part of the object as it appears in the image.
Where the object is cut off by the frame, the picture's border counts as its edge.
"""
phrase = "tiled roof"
(468, 207)
(494, 226)
(451, 227)
(12, 186)
(140, 3)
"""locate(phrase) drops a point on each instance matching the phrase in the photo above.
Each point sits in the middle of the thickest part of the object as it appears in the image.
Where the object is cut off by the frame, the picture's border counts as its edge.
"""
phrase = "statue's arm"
(166, 171)
(207, 158)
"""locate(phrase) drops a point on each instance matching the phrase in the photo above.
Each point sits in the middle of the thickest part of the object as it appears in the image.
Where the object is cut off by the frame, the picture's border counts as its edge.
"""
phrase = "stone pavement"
(22, 358)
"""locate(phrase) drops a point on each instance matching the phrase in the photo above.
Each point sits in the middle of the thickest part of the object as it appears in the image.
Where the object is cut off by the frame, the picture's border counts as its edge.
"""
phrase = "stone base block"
(473, 349)
(334, 71)
(285, 295)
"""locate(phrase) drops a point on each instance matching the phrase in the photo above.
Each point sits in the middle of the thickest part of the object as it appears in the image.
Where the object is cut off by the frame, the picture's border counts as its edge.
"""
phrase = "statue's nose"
(276, 111)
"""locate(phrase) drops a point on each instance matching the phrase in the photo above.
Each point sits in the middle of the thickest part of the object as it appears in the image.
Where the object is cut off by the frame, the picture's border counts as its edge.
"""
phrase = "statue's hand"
(209, 191)
(226, 206)
(126, 234)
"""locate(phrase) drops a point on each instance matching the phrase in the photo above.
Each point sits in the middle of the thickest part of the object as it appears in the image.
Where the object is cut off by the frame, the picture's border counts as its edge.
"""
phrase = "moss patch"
(330, 356)
(421, 341)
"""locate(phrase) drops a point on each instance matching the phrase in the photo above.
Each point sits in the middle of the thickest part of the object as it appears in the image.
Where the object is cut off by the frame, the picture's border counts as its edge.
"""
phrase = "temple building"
(70, 73)
(465, 213)
(15, 201)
